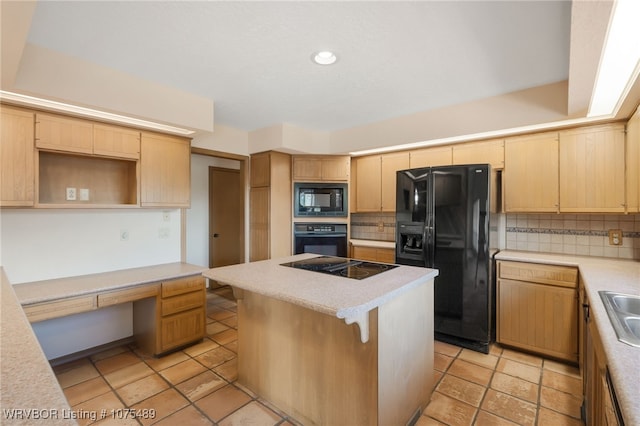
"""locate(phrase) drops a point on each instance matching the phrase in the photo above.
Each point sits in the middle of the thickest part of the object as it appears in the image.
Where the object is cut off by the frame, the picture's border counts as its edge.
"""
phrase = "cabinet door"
(530, 177)
(335, 168)
(368, 184)
(116, 141)
(490, 152)
(260, 170)
(64, 134)
(441, 156)
(180, 329)
(539, 318)
(16, 157)
(165, 168)
(592, 170)
(391, 163)
(307, 168)
(633, 163)
(259, 224)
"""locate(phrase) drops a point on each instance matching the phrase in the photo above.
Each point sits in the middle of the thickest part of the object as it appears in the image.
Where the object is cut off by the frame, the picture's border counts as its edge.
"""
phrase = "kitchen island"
(334, 350)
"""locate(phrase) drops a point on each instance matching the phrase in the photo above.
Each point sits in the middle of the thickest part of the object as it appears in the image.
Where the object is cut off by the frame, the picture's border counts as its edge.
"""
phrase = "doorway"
(226, 217)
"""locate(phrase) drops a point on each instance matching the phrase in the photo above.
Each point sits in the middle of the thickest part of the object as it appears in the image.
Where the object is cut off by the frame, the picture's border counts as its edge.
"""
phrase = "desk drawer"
(182, 285)
(173, 305)
(60, 308)
(127, 295)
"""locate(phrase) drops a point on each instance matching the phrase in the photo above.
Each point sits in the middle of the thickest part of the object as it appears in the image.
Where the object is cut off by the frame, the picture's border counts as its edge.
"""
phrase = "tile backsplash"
(577, 234)
(373, 226)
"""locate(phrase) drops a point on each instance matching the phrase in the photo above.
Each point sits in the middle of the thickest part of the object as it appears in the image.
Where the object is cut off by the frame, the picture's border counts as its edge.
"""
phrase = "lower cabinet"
(175, 318)
(599, 406)
(373, 254)
(537, 308)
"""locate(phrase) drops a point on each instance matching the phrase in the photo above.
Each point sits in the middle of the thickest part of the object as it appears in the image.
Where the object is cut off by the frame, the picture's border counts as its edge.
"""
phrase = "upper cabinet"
(16, 157)
(59, 133)
(531, 173)
(165, 165)
(633, 163)
(116, 141)
(55, 161)
(431, 157)
(486, 152)
(592, 169)
(323, 168)
(376, 181)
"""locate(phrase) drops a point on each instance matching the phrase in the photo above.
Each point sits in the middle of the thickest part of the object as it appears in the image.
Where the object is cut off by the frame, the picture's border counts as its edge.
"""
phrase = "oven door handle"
(311, 234)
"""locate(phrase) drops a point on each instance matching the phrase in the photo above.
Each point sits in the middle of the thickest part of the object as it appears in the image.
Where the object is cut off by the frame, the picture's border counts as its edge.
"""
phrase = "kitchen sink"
(624, 314)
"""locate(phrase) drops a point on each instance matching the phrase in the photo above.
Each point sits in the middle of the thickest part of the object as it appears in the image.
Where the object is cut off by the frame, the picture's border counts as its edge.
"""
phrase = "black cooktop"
(340, 266)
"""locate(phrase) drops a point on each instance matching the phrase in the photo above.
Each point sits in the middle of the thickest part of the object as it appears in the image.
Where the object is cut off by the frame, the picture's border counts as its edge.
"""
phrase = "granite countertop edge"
(603, 274)
(61, 288)
(359, 298)
(25, 367)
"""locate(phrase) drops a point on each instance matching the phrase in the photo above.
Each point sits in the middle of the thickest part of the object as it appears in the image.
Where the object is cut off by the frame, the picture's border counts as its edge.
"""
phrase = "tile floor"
(197, 386)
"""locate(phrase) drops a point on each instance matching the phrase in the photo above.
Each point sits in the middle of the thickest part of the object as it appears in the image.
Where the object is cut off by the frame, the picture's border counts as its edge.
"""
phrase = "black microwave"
(320, 199)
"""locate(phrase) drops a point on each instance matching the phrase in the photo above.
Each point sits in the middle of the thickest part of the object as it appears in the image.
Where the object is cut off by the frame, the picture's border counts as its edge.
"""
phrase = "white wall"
(198, 214)
(39, 244)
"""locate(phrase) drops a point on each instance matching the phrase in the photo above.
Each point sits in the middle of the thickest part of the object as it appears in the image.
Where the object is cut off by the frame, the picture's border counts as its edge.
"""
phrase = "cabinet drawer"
(374, 254)
(182, 285)
(563, 276)
(182, 328)
(127, 295)
(47, 310)
(177, 304)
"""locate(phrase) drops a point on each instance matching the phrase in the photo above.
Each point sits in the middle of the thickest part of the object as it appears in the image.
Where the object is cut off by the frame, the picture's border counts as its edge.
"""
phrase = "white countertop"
(59, 288)
(600, 274)
(344, 298)
(26, 376)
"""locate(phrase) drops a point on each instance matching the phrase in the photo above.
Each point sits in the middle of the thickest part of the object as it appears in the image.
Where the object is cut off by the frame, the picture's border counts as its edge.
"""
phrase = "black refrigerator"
(442, 222)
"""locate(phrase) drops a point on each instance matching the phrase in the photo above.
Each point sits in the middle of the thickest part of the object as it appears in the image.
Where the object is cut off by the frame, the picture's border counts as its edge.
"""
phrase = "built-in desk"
(169, 301)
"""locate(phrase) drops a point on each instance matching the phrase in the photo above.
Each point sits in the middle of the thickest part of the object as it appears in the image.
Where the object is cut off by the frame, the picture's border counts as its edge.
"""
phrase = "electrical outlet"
(84, 194)
(615, 237)
(380, 226)
(166, 216)
(71, 194)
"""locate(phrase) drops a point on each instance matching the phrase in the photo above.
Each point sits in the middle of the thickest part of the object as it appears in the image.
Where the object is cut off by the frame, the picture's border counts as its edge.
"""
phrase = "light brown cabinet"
(182, 312)
(61, 133)
(270, 202)
(116, 141)
(485, 152)
(537, 308)
(430, 157)
(373, 254)
(376, 181)
(165, 171)
(633, 163)
(599, 405)
(17, 185)
(530, 177)
(592, 170)
(325, 168)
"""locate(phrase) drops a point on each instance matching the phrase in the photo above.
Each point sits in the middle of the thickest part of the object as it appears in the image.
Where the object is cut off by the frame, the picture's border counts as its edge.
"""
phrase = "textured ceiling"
(253, 58)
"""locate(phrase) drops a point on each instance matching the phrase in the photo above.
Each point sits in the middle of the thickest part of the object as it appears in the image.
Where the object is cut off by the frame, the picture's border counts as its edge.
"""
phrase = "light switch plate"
(615, 237)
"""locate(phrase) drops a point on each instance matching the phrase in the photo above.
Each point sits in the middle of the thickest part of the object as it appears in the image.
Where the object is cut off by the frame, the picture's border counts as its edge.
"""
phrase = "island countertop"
(344, 298)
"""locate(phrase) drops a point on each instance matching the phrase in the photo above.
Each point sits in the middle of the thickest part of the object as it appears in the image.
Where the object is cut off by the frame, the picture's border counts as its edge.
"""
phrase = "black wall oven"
(320, 238)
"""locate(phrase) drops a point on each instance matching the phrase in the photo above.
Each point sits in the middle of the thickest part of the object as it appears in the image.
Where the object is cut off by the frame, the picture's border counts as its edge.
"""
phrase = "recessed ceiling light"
(325, 57)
